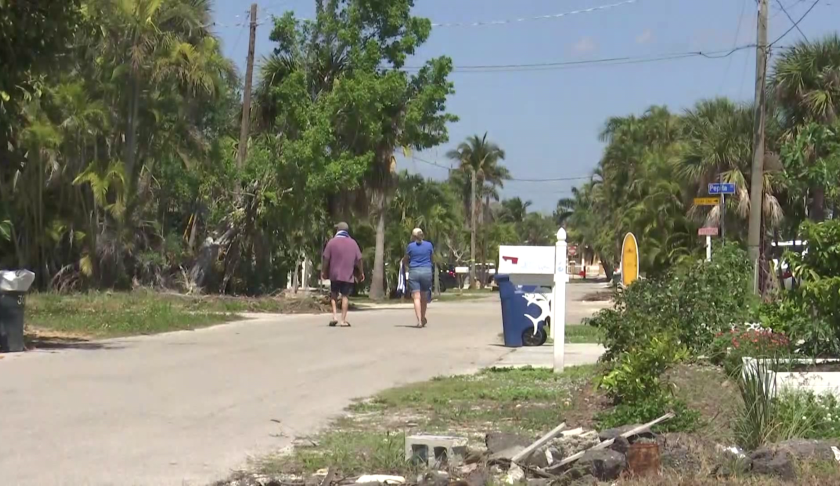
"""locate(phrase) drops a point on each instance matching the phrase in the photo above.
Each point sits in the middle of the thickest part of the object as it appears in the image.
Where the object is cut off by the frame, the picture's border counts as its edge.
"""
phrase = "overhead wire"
(791, 20)
(536, 18)
(795, 24)
(547, 66)
(734, 42)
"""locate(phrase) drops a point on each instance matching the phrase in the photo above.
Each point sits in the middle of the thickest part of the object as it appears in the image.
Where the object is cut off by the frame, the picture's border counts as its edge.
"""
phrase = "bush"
(649, 409)
(693, 302)
(810, 314)
(819, 415)
(635, 376)
(728, 348)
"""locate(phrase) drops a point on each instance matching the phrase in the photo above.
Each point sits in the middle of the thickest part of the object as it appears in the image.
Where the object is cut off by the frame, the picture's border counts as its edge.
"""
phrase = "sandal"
(425, 321)
(333, 323)
(346, 324)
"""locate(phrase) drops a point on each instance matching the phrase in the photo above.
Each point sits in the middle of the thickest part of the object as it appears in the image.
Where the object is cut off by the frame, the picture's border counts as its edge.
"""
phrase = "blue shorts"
(420, 279)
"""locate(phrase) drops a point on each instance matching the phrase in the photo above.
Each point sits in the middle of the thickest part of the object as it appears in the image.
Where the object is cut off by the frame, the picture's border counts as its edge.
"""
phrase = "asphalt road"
(187, 408)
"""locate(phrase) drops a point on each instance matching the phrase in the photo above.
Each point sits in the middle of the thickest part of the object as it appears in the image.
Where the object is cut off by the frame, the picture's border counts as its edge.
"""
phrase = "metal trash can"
(13, 287)
(523, 314)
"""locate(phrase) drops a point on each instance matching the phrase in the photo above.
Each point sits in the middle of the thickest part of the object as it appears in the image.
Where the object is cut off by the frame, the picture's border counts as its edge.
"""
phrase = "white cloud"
(644, 37)
(585, 45)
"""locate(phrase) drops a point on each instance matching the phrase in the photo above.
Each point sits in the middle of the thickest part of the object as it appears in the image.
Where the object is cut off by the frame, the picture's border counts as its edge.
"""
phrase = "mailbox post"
(558, 306)
(545, 266)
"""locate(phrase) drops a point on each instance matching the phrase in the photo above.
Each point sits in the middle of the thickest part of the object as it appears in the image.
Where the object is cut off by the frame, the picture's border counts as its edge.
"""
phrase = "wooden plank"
(539, 443)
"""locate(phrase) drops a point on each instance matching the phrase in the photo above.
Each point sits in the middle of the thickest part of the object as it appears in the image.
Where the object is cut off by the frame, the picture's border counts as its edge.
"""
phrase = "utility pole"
(246, 98)
(757, 175)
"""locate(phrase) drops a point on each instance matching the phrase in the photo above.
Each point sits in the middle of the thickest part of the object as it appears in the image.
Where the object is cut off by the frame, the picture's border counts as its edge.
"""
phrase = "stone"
(538, 482)
(434, 478)
(505, 455)
(501, 441)
(474, 456)
(621, 445)
(605, 464)
(618, 431)
(769, 462)
(479, 477)
(807, 450)
(566, 446)
(514, 475)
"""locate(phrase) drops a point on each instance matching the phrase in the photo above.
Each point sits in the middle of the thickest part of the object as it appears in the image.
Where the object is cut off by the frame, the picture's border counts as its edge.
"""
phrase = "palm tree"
(480, 158)
(718, 147)
(514, 210)
(806, 82)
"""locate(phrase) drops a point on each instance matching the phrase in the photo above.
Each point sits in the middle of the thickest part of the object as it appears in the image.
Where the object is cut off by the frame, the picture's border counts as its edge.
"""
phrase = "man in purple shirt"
(342, 265)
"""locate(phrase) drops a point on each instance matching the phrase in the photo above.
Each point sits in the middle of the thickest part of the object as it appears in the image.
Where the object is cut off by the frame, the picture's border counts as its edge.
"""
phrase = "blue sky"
(548, 120)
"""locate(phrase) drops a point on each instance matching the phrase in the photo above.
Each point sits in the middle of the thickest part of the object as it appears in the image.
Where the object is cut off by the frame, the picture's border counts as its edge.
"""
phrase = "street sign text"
(708, 231)
(721, 188)
(706, 201)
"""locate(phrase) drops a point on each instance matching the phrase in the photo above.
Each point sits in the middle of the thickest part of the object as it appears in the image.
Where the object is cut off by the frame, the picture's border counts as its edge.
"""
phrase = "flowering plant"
(728, 348)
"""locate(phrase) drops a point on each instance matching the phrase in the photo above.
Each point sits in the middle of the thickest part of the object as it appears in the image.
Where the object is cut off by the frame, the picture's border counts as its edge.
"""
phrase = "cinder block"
(434, 450)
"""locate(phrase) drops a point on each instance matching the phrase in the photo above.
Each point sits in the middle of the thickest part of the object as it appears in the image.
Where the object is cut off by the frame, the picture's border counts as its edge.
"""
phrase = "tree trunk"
(131, 130)
(818, 204)
(472, 231)
(437, 280)
(377, 284)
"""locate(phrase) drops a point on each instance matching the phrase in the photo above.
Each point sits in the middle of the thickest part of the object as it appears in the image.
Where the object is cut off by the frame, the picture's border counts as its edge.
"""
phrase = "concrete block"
(432, 450)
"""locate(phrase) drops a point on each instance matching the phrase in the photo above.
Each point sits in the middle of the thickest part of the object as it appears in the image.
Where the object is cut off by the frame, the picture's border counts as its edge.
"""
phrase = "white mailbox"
(543, 266)
(527, 265)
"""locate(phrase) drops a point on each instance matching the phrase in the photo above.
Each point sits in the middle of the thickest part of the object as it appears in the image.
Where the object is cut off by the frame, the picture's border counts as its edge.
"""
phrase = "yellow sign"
(629, 260)
(706, 201)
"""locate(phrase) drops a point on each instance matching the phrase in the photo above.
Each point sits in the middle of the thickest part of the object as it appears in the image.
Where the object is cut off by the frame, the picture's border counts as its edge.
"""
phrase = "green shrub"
(811, 416)
(649, 409)
(693, 302)
(636, 375)
(810, 314)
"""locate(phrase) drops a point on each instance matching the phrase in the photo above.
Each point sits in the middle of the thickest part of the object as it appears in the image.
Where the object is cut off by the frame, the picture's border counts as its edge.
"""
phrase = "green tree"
(479, 158)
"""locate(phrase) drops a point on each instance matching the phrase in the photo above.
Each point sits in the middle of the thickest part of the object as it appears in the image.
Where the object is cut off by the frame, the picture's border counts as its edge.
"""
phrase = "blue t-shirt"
(419, 254)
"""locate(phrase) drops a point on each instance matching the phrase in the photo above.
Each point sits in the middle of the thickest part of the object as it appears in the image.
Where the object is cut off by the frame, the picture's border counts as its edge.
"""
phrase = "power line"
(555, 179)
(796, 24)
(791, 20)
(544, 66)
(530, 19)
(734, 42)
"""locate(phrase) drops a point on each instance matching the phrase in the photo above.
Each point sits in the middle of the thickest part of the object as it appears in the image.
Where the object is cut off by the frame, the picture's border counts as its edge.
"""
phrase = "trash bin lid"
(16, 280)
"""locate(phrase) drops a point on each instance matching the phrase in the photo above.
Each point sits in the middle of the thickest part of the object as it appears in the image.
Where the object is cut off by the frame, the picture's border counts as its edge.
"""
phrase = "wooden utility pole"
(757, 174)
(472, 230)
(246, 98)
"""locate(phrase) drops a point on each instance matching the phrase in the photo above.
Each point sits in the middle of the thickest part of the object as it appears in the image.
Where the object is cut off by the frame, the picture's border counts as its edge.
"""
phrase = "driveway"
(186, 408)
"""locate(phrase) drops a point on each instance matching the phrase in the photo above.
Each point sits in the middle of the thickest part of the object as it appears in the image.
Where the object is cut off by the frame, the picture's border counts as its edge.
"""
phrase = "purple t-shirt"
(340, 257)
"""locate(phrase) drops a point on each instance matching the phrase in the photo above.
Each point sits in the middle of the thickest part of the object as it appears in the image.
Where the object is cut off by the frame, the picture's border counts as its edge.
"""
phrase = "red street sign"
(513, 260)
(707, 232)
(572, 250)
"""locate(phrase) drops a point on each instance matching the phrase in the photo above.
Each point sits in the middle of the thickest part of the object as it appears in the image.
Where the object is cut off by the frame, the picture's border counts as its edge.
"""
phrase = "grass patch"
(115, 314)
(583, 334)
(524, 400)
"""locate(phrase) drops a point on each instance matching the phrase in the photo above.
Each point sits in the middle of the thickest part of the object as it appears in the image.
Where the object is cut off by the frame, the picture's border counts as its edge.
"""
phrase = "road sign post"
(558, 305)
(708, 232)
(722, 189)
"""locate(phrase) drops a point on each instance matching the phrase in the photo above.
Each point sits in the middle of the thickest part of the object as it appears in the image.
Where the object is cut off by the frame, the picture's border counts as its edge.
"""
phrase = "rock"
(566, 446)
(505, 455)
(733, 467)
(807, 450)
(538, 482)
(618, 431)
(500, 441)
(479, 477)
(434, 478)
(621, 445)
(473, 456)
(769, 462)
(515, 475)
(605, 464)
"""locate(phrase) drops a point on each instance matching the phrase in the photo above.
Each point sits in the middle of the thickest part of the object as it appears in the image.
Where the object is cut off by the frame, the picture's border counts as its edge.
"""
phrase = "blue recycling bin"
(519, 314)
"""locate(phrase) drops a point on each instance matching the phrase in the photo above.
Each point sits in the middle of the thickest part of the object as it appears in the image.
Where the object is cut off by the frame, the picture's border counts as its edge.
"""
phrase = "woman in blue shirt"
(418, 255)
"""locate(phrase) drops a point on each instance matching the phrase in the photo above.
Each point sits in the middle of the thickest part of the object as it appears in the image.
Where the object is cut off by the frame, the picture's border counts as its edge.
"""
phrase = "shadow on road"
(46, 342)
